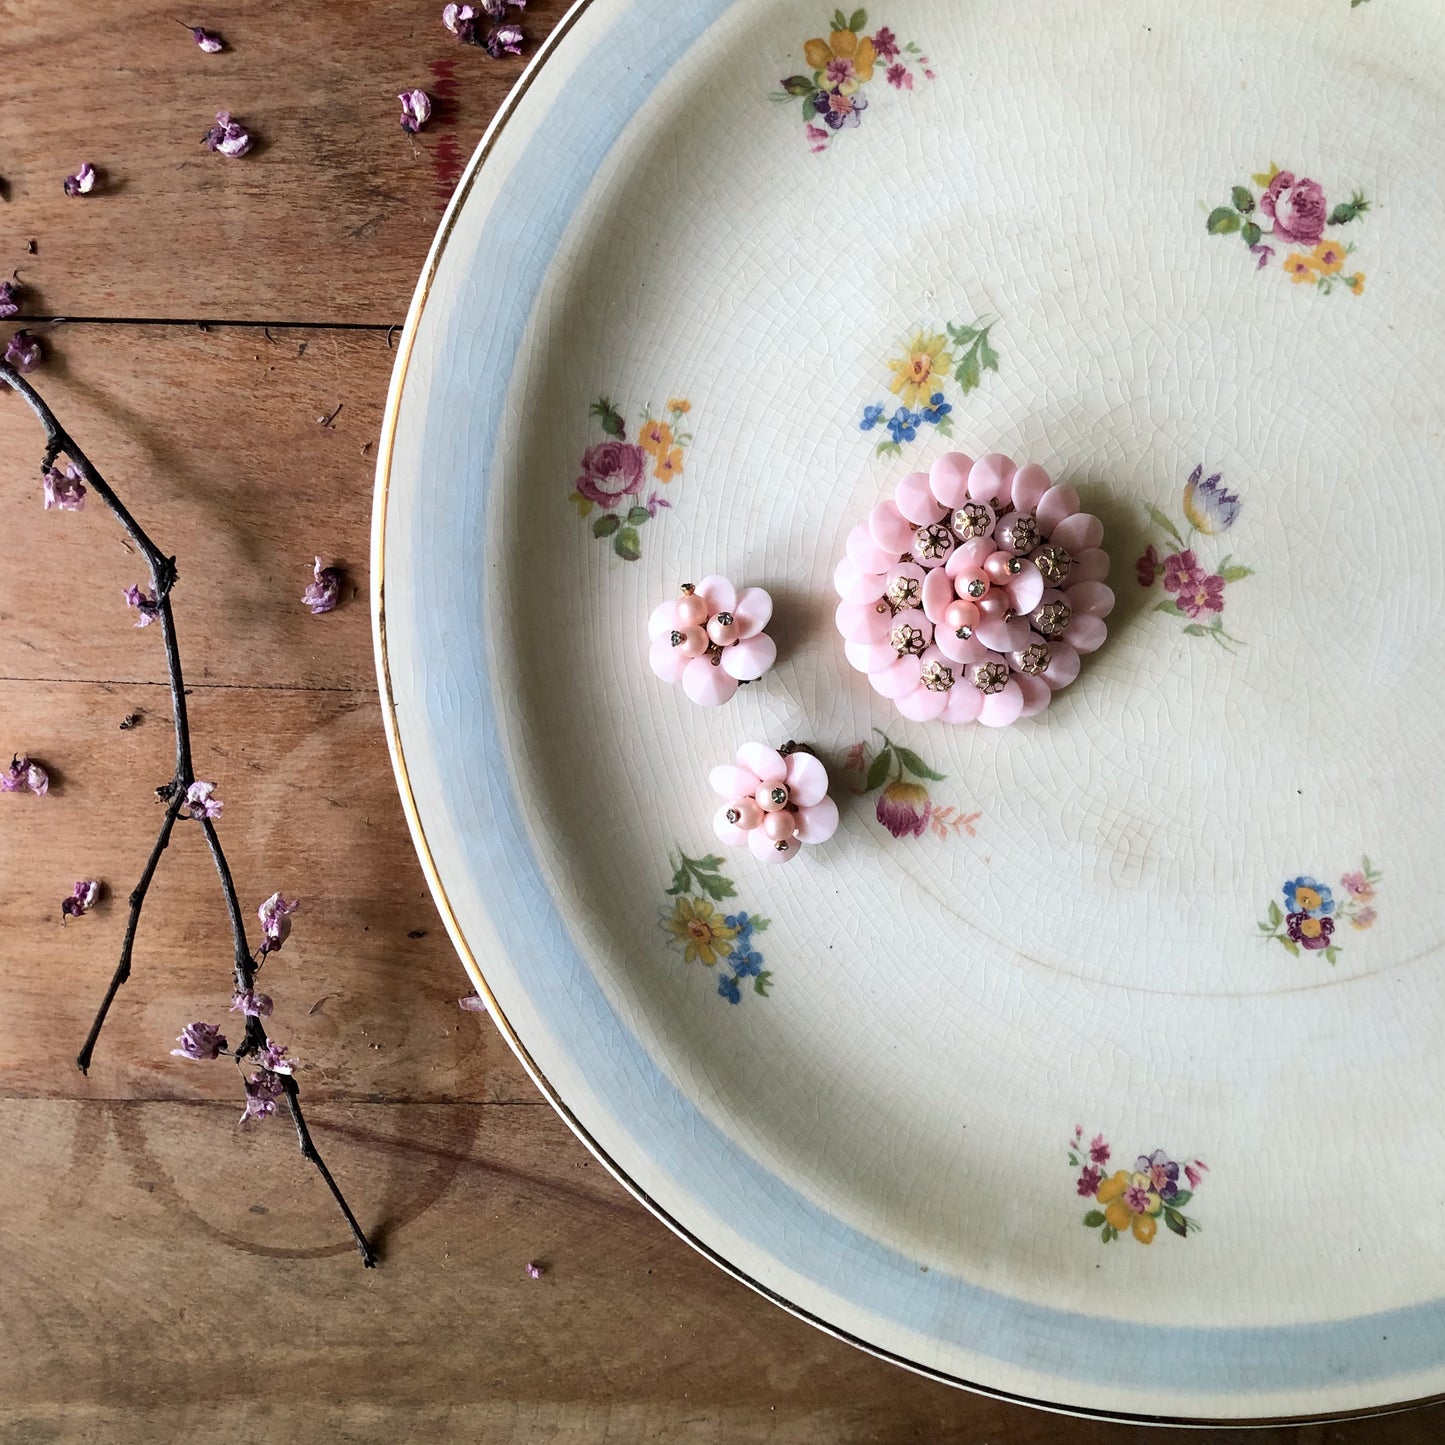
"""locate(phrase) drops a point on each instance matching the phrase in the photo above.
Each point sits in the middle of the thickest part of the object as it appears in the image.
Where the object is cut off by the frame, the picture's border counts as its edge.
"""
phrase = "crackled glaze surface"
(1019, 936)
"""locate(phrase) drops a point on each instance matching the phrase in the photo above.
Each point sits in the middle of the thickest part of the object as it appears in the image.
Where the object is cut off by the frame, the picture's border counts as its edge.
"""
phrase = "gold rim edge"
(380, 497)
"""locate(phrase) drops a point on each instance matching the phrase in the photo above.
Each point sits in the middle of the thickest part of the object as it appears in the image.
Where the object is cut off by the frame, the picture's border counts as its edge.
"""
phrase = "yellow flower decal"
(680, 405)
(1357, 282)
(656, 437)
(1134, 1200)
(669, 464)
(699, 930)
(925, 362)
(1327, 257)
(843, 45)
(1300, 269)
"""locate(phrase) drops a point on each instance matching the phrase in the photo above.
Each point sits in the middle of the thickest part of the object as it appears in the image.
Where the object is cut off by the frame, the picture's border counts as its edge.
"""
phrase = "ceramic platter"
(1188, 915)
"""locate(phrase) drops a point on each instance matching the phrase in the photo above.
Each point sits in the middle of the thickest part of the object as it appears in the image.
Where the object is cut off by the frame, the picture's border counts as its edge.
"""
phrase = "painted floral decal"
(904, 806)
(1195, 592)
(926, 363)
(1298, 214)
(709, 937)
(843, 65)
(1311, 912)
(1135, 1200)
(616, 472)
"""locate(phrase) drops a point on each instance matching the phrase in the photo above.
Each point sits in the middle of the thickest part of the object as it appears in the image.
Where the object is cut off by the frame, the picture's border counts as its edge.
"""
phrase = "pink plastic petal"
(1092, 597)
(914, 617)
(869, 657)
(923, 704)
(938, 592)
(1083, 532)
(916, 500)
(853, 584)
(1090, 565)
(807, 779)
(959, 649)
(666, 660)
(1000, 636)
(1001, 708)
(1056, 504)
(1086, 633)
(1030, 483)
(719, 594)
(900, 677)
(991, 478)
(866, 553)
(965, 702)
(732, 782)
(948, 479)
(706, 685)
(728, 833)
(864, 621)
(1026, 588)
(753, 611)
(767, 851)
(889, 528)
(1037, 693)
(749, 659)
(906, 569)
(1064, 667)
(818, 821)
(663, 618)
(972, 553)
(768, 763)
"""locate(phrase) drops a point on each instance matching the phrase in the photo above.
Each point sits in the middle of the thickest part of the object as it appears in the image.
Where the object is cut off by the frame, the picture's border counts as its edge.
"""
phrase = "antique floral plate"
(1095, 1062)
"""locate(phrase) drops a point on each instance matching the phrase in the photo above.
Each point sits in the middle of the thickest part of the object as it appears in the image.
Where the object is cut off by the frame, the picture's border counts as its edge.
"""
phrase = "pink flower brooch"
(774, 800)
(971, 594)
(710, 638)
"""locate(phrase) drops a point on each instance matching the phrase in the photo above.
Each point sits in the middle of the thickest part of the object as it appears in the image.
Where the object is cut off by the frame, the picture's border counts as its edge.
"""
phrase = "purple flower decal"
(900, 77)
(200, 803)
(1297, 207)
(1098, 1150)
(254, 1005)
(23, 352)
(1146, 569)
(1192, 1174)
(63, 489)
(262, 1091)
(885, 44)
(839, 110)
(903, 809)
(415, 110)
(208, 40)
(1203, 593)
(504, 40)
(82, 899)
(323, 592)
(9, 299)
(611, 470)
(22, 774)
(1163, 1173)
(145, 604)
(1210, 506)
(1137, 1198)
(840, 70)
(227, 136)
(275, 915)
(1265, 255)
(1309, 932)
(1089, 1181)
(200, 1041)
(1181, 569)
(82, 183)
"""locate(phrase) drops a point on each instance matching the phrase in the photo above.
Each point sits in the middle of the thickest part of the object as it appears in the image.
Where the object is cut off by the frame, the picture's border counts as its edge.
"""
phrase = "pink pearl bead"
(972, 583)
(748, 814)
(772, 797)
(960, 614)
(779, 826)
(1001, 568)
(691, 610)
(690, 641)
(724, 630)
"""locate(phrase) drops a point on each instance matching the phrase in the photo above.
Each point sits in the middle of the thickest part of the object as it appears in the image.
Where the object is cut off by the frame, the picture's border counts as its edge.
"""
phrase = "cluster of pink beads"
(971, 595)
(775, 800)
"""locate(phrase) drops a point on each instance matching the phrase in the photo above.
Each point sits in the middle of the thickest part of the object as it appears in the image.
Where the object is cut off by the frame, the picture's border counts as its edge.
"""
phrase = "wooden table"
(165, 1274)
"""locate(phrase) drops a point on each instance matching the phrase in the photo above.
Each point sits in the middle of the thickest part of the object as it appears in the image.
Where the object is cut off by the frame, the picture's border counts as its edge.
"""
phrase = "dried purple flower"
(25, 773)
(461, 20)
(273, 1059)
(227, 136)
(275, 915)
(473, 1004)
(200, 1041)
(23, 352)
(63, 489)
(535, 1270)
(9, 298)
(82, 183)
(254, 1005)
(322, 594)
(495, 8)
(82, 899)
(208, 40)
(262, 1091)
(144, 603)
(504, 40)
(415, 110)
(200, 803)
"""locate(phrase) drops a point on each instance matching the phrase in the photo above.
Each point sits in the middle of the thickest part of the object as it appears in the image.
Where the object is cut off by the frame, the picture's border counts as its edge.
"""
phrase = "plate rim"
(411, 810)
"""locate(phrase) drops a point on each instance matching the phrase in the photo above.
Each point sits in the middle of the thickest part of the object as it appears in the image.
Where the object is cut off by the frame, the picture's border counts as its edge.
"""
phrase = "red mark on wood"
(447, 157)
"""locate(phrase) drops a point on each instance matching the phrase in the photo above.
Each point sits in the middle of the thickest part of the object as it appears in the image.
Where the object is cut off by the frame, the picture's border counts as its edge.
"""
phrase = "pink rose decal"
(611, 471)
(1298, 208)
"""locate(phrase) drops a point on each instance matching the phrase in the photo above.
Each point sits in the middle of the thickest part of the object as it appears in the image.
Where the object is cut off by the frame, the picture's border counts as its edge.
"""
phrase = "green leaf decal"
(878, 770)
(1175, 1221)
(1222, 220)
(637, 516)
(1161, 519)
(917, 766)
(763, 982)
(1093, 1219)
(626, 544)
(605, 526)
(1276, 915)
(1243, 199)
(798, 85)
(1250, 233)
(857, 20)
(609, 416)
(1236, 573)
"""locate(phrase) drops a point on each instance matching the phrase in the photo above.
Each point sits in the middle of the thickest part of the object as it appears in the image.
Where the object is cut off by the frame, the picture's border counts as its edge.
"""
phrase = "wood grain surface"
(165, 1275)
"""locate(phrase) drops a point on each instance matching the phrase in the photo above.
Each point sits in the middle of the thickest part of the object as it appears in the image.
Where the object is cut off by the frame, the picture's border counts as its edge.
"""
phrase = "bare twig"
(163, 577)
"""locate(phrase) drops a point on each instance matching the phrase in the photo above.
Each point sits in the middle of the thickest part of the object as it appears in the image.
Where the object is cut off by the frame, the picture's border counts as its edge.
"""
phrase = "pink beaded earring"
(971, 595)
(774, 800)
(710, 638)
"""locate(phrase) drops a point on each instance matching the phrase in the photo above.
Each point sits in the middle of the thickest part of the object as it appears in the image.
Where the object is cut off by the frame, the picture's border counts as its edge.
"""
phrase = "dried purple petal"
(36, 778)
(200, 803)
(472, 1004)
(535, 1270)
(25, 773)
(208, 40)
(275, 915)
(461, 20)
(495, 8)
(322, 594)
(504, 40)
(227, 136)
(9, 298)
(273, 1059)
(254, 1005)
(144, 603)
(415, 110)
(200, 1041)
(63, 489)
(262, 1091)
(82, 183)
(23, 352)
(82, 899)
